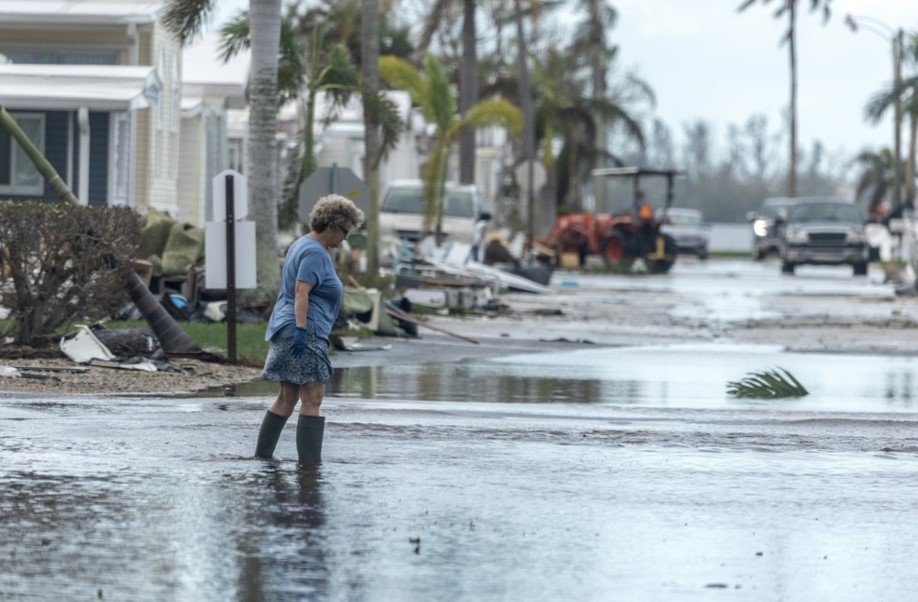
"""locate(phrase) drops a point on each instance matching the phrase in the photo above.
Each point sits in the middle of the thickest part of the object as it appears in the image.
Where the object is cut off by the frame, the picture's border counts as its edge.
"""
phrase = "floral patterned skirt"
(311, 367)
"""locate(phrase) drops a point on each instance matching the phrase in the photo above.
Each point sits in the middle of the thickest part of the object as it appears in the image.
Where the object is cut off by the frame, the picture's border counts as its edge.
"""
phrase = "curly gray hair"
(334, 209)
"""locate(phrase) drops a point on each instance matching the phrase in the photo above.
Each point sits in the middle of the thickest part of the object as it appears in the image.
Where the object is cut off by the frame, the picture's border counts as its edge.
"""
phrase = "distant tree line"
(728, 177)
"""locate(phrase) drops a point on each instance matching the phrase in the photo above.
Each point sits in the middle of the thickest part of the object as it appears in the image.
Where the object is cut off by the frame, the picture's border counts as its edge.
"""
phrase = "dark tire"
(703, 254)
(860, 269)
(787, 267)
(661, 266)
(613, 249)
(758, 255)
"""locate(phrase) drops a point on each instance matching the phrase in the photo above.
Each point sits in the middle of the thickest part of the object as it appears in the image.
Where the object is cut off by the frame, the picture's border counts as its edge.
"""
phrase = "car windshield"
(457, 203)
(684, 219)
(770, 211)
(841, 213)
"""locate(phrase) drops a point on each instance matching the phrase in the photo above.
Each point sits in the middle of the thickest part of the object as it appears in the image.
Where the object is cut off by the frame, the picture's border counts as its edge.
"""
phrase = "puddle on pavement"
(691, 376)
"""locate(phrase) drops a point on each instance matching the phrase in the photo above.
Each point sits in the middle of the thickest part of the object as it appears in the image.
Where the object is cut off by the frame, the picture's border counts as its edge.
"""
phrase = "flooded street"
(525, 468)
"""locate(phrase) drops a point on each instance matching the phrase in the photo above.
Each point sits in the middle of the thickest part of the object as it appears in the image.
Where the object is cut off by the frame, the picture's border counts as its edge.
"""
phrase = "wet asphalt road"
(584, 473)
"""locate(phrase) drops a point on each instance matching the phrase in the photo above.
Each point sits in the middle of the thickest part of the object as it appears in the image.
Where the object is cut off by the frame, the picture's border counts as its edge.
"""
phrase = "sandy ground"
(819, 310)
(194, 376)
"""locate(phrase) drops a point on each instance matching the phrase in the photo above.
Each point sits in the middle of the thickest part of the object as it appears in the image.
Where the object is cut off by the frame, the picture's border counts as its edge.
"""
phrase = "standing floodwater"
(158, 499)
(584, 472)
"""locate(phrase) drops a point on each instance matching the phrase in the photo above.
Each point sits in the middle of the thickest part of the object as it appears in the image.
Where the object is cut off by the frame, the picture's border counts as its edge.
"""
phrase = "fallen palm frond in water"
(770, 384)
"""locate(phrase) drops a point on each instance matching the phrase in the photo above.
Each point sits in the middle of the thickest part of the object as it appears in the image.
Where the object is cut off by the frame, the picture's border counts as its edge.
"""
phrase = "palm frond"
(389, 120)
(339, 76)
(440, 95)
(234, 36)
(489, 112)
(769, 384)
(401, 75)
(186, 18)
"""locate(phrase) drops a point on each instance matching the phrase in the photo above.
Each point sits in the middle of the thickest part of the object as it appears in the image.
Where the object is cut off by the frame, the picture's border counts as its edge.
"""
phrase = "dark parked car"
(766, 235)
(687, 228)
(823, 232)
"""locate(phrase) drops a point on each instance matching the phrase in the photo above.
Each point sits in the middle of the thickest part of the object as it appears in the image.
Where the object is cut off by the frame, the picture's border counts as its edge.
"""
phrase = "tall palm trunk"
(910, 191)
(265, 24)
(369, 67)
(598, 68)
(528, 118)
(309, 159)
(171, 336)
(792, 112)
(468, 91)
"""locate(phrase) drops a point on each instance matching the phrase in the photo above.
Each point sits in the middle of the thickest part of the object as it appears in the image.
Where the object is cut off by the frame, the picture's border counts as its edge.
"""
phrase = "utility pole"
(897, 45)
(896, 39)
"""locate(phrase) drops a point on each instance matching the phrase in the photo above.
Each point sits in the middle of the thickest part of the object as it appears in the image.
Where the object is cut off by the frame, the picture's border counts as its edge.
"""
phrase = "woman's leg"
(310, 427)
(286, 400)
(275, 419)
(311, 398)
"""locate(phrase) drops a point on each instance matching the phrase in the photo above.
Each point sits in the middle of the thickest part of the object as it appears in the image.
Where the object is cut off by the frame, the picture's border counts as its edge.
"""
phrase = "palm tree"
(433, 94)
(788, 8)
(308, 65)
(599, 18)
(907, 93)
(186, 18)
(564, 111)
(468, 72)
(372, 109)
(876, 179)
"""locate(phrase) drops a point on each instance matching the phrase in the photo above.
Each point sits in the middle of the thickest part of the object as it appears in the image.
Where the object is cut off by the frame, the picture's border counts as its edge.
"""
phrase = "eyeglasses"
(345, 231)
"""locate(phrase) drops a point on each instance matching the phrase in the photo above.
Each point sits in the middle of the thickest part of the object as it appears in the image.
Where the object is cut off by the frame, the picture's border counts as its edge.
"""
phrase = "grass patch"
(729, 254)
(251, 347)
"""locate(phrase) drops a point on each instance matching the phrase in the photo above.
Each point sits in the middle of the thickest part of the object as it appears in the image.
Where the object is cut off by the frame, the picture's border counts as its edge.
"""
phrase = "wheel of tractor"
(661, 266)
(860, 269)
(613, 249)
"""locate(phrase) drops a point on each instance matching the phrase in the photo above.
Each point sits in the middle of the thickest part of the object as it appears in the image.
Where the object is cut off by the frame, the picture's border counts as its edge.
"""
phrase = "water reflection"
(688, 375)
(471, 382)
(283, 553)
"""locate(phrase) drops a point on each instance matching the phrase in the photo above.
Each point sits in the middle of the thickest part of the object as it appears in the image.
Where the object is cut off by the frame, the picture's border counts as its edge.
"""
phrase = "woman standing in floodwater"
(306, 308)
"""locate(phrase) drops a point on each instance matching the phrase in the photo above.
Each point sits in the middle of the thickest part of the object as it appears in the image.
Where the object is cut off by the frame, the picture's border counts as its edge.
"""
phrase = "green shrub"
(61, 263)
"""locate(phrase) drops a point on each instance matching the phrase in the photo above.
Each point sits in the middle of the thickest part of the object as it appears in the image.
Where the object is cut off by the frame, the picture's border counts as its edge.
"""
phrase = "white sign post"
(235, 249)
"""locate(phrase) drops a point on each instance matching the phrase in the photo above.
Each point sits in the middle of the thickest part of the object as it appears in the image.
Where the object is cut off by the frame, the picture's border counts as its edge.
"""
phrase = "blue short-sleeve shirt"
(307, 260)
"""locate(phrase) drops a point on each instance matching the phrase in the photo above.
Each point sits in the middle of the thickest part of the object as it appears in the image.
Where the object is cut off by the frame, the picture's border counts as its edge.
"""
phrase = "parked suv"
(823, 231)
(766, 234)
(687, 228)
(401, 213)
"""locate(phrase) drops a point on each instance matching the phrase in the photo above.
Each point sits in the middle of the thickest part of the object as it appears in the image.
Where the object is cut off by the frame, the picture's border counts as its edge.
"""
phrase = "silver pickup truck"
(823, 231)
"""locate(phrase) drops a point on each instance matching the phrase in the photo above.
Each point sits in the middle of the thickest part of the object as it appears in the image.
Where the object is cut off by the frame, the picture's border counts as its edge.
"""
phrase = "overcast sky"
(706, 61)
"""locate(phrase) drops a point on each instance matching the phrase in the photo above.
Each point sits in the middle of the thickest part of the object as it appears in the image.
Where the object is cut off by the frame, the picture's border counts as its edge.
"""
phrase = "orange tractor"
(623, 237)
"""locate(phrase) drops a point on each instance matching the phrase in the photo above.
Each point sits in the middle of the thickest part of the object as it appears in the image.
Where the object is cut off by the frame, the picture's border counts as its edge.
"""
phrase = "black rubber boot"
(271, 428)
(309, 431)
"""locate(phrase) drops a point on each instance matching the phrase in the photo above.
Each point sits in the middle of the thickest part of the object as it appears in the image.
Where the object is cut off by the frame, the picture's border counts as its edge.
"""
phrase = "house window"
(236, 155)
(17, 173)
(119, 167)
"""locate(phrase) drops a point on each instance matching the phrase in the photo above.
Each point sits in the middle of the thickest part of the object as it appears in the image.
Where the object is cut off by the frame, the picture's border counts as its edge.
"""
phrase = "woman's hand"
(299, 343)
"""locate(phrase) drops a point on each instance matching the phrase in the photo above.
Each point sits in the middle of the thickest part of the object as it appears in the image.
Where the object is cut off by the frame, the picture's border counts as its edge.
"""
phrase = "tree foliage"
(57, 264)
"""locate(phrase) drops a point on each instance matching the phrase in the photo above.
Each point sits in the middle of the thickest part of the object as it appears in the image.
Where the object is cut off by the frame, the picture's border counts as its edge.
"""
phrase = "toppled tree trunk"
(171, 336)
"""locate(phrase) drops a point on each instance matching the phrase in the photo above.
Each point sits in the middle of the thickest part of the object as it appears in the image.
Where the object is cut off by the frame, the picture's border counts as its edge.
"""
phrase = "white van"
(401, 213)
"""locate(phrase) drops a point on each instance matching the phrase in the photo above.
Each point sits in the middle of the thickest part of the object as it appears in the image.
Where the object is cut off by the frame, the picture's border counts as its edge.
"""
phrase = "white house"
(98, 86)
